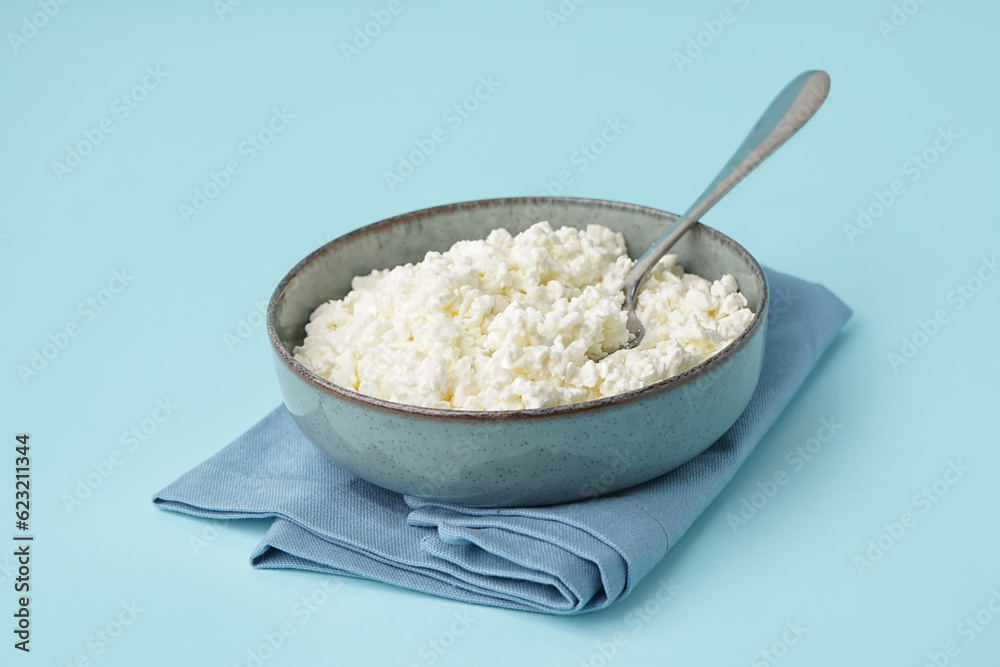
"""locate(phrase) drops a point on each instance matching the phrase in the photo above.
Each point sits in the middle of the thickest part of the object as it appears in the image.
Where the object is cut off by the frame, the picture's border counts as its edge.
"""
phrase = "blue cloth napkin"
(564, 559)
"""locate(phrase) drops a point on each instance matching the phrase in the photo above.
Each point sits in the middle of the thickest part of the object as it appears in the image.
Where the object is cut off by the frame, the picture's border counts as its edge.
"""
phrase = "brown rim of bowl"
(526, 413)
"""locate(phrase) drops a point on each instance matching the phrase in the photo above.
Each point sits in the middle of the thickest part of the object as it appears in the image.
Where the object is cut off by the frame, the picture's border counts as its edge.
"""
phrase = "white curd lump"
(514, 322)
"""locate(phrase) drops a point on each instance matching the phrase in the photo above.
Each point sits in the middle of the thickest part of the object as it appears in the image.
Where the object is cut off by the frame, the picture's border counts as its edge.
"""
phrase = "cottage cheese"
(514, 322)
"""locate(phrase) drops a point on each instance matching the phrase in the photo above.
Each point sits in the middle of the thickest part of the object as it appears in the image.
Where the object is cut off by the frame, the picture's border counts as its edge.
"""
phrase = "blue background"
(183, 329)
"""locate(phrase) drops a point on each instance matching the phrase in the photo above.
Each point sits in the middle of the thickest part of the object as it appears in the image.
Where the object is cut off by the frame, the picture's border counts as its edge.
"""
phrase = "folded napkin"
(563, 559)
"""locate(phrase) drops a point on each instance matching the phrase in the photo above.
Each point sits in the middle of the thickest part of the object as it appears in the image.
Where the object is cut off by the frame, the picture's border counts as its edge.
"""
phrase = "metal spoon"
(789, 111)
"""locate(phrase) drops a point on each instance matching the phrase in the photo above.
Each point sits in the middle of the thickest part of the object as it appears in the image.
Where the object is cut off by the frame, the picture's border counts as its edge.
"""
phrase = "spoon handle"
(789, 111)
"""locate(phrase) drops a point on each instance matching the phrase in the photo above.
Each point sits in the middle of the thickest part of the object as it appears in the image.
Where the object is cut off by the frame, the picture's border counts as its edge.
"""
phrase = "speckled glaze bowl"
(525, 457)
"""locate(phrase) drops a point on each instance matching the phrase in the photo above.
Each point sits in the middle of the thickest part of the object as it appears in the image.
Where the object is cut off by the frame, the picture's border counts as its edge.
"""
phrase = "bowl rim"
(401, 409)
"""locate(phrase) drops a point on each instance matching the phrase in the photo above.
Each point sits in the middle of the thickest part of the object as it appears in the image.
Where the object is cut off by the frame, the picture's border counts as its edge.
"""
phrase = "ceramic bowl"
(511, 458)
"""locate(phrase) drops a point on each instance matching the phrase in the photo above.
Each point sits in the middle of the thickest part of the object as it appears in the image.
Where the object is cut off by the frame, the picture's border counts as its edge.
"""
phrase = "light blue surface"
(169, 334)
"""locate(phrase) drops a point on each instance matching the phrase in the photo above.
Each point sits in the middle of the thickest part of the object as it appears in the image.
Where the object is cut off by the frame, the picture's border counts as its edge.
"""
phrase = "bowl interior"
(327, 273)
